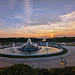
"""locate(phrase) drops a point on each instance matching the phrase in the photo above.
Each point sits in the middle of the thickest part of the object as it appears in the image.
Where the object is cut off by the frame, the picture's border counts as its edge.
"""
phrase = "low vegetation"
(21, 69)
(57, 71)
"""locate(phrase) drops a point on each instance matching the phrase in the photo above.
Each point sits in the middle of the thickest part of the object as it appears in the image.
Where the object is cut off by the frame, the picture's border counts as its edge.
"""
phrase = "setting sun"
(51, 36)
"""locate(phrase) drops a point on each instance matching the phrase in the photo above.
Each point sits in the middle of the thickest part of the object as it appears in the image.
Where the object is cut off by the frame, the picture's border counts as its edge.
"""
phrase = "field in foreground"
(21, 69)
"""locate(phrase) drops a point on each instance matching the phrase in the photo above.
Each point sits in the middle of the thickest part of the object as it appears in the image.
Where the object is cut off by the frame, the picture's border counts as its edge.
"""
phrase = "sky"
(37, 18)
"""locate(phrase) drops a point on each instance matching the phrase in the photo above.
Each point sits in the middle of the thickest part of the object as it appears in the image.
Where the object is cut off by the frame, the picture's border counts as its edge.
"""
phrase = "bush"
(19, 69)
(57, 71)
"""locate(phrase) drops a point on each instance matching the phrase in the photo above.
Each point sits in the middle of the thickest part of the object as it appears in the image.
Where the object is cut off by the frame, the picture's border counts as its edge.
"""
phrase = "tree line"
(56, 39)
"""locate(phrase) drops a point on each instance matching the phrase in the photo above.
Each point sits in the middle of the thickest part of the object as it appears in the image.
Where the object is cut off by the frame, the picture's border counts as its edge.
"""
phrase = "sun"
(51, 36)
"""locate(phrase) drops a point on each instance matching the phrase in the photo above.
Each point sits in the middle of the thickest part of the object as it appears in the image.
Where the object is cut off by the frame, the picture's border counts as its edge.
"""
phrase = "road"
(43, 62)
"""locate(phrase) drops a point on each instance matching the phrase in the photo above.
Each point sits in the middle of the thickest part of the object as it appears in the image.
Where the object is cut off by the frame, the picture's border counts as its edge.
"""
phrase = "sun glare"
(51, 36)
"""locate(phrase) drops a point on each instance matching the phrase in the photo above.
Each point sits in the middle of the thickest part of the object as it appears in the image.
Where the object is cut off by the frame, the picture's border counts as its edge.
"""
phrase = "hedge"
(22, 69)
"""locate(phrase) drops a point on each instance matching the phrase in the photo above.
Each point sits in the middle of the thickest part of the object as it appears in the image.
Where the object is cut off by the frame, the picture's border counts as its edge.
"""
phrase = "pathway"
(43, 62)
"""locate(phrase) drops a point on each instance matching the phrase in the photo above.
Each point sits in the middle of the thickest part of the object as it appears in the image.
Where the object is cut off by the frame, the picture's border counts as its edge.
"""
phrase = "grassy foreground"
(21, 69)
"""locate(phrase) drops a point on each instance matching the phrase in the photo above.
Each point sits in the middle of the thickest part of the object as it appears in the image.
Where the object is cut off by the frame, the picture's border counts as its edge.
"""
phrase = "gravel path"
(43, 62)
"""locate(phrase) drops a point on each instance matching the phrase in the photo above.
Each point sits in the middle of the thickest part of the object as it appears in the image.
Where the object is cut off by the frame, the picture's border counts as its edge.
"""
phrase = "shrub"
(19, 69)
(57, 71)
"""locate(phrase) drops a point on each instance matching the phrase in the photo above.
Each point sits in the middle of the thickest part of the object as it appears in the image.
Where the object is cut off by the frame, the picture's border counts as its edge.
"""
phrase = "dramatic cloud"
(68, 17)
(37, 18)
(12, 2)
(2, 24)
(68, 8)
(49, 24)
(28, 9)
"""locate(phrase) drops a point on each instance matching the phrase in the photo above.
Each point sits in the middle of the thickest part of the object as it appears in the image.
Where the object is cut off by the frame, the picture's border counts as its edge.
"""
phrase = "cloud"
(67, 21)
(3, 26)
(37, 21)
(40, 9)
(2, 22)
(68, 17)
(30, 18)
(28, 9)
(25, 16)
(68, 8)
(48, 23)
(12, 2)
(63, 24)
(50, 19)
(45, 19)
(18, 16)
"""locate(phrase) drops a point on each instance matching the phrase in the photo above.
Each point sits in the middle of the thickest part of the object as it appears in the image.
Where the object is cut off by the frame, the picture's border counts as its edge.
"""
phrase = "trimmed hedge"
(21, 69)
(57, 71)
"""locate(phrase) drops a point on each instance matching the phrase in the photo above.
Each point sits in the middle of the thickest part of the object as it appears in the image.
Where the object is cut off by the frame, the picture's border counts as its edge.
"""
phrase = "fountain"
(29, 46)
(46, 45)
(13, 45)
(30, 49)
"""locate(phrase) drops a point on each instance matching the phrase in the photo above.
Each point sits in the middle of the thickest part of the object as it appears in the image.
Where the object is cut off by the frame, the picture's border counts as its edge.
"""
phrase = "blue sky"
(37, 18)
